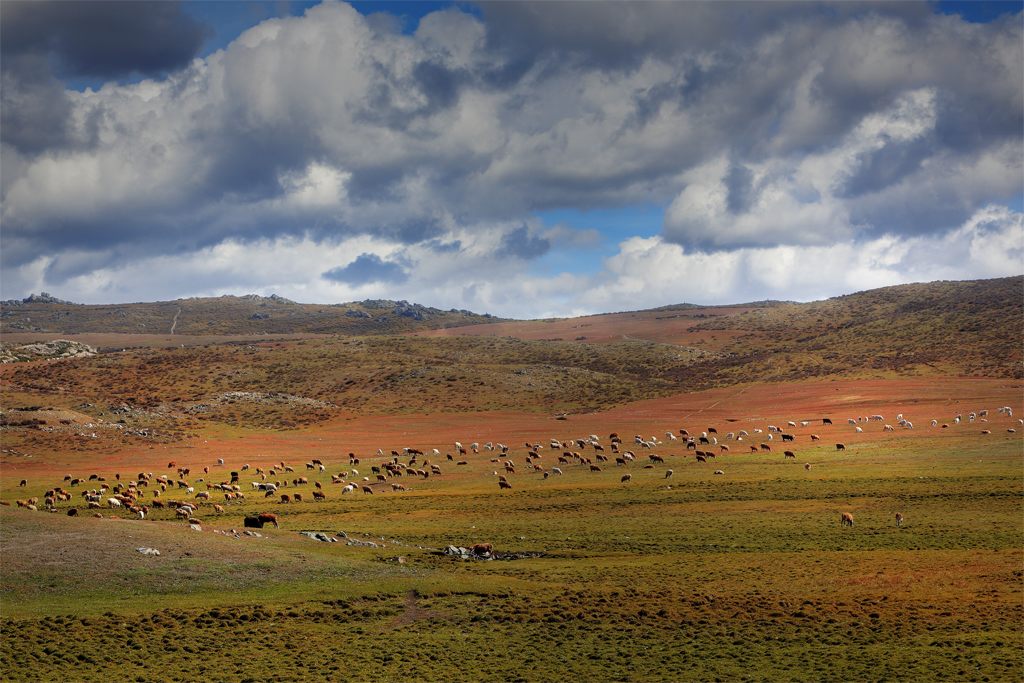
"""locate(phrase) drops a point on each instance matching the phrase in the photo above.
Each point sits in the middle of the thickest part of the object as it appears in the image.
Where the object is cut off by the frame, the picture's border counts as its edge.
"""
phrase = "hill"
(961, 328)
(165, 392)
(227, 315)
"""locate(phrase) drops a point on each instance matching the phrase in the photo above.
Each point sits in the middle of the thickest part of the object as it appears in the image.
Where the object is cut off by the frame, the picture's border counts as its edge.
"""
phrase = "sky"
(515, 158)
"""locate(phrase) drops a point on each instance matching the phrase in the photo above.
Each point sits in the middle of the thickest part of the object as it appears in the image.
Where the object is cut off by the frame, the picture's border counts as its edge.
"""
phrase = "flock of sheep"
(546, 459)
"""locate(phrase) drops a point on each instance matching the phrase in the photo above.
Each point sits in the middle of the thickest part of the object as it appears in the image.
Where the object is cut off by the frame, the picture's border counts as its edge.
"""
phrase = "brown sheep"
(846, 519)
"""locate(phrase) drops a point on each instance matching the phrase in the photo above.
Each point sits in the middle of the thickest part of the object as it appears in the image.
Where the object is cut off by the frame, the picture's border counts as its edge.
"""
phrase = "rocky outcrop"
(58, 348)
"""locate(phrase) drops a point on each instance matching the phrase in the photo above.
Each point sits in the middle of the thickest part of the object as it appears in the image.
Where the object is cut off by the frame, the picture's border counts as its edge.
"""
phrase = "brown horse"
(268, 518)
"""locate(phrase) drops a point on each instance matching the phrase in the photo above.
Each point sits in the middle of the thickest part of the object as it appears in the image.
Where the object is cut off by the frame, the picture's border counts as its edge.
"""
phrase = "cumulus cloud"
(100, 39)
(643, 271)
(759, 127)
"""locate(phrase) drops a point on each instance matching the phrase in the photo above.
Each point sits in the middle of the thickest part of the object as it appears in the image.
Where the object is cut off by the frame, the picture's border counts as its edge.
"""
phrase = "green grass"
(746, 576)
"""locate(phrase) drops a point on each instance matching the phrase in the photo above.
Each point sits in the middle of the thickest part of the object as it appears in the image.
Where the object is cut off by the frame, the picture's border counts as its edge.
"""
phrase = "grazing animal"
(719, 472)
(701, 458)
(790, 454)
(899, 519)
(504, 485)
(788, 437)
(482, 549)
(626, 477)
(815, 437)
(595, 468)
(319, 495)
(367, 489)
(268, 518)
(24, 482)
(826, 421)
(840, 447)
(846, 519)
(73, 512)
(668, 473)
(807, 466)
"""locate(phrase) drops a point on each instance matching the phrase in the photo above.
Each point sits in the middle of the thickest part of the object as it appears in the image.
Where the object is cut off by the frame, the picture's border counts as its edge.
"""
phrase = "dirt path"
(174, 323)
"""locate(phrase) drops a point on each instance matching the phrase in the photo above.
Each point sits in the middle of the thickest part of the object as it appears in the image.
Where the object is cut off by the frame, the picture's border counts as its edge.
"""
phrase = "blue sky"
(522, 159)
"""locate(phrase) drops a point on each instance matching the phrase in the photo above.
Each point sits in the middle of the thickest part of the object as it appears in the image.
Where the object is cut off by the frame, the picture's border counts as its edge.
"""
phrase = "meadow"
(746, 575)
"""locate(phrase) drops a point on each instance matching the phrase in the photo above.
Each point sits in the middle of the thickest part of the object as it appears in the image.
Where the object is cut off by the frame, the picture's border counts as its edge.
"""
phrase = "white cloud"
(809, 149)
(645, 272)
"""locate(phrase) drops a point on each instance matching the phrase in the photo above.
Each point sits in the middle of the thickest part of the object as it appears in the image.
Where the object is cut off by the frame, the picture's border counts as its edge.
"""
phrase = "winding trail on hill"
(174, 323)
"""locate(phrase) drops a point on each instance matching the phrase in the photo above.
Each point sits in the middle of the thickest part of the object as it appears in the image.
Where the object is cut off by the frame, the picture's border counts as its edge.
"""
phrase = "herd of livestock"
(282, 484)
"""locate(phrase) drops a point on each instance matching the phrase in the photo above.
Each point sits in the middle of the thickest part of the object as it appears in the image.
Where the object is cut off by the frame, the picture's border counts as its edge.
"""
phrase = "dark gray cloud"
(520, 243)
(34, 109)
(103, 39)
(740, 184)
(41, 42)
(367, 268)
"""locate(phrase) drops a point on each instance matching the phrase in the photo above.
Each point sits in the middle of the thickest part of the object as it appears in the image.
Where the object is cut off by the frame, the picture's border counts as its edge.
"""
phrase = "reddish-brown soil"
(728, 409)
(666, 327)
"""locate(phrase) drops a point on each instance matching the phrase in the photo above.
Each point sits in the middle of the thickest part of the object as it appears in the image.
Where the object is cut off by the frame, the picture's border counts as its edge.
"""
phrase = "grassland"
(741, 576)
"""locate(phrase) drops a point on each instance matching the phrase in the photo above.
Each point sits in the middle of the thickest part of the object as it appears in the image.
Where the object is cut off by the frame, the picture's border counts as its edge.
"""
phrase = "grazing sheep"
(807, 466)
(626, 477)
(719, 472)
(846, 519)
(840, 447)
(668, 473)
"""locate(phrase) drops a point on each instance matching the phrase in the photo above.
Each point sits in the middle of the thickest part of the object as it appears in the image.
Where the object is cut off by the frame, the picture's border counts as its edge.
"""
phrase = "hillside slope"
(939, 330)
(966, 328)
(225, 315)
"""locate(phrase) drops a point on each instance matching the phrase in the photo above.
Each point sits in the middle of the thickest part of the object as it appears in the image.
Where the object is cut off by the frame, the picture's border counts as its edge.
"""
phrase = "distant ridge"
(228, 315)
